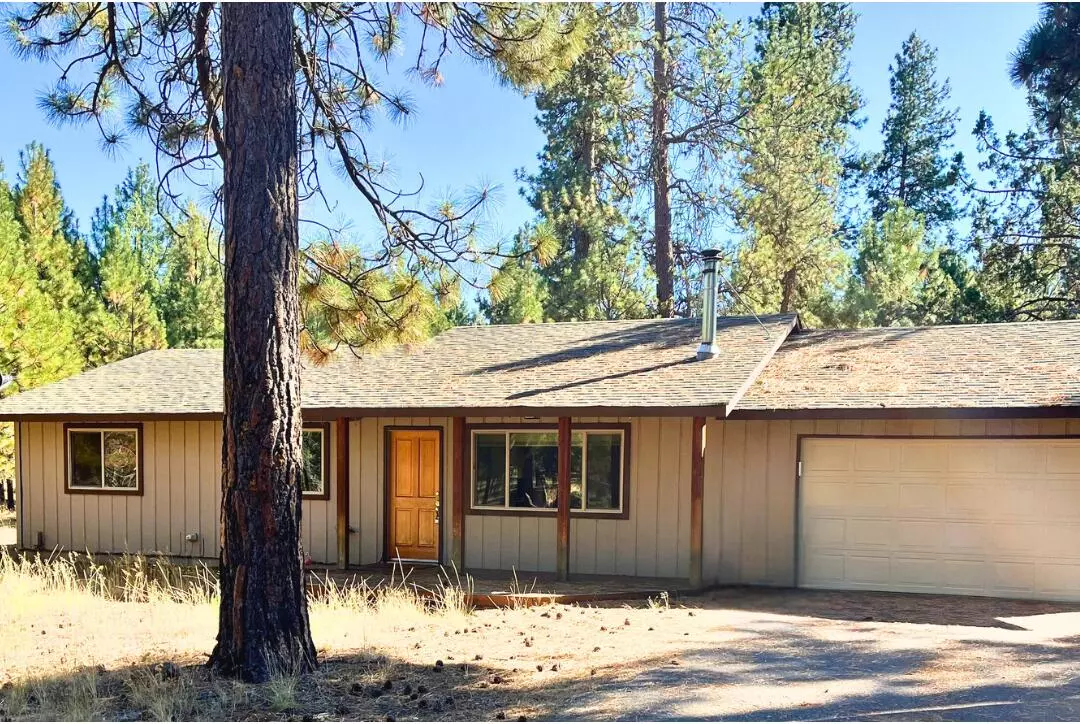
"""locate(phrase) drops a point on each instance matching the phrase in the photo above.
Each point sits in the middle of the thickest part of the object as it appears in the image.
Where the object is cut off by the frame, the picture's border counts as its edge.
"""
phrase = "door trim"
(797, 543)
(388, 430)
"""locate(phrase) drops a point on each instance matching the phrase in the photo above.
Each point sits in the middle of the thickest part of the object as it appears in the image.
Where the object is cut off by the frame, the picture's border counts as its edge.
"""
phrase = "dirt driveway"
(822, 655)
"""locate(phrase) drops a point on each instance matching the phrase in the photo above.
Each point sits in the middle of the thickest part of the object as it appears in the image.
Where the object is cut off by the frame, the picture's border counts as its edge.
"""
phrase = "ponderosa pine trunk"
(661, 169)
(263, 627)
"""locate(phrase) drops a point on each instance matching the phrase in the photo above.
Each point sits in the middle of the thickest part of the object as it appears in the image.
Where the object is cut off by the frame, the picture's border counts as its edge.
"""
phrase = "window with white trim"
(519, 470)
(103, 459)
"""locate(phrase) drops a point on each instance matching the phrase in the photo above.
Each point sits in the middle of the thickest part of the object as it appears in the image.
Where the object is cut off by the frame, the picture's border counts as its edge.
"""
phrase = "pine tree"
(40, 209)
(800, 107)
(36, 346)
(691, 71)
(518, 292)
(890, 265)
(1048, 64)
(192, 293)
(585, 184)
(914, 167)
(130, 236)
(52, 245)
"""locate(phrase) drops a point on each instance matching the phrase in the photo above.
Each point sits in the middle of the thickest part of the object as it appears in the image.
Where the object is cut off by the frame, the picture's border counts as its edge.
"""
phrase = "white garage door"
(997, 517)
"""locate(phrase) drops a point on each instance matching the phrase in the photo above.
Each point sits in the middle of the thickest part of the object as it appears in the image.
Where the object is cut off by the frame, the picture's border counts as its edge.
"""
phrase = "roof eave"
(906, 413)
(333, 413)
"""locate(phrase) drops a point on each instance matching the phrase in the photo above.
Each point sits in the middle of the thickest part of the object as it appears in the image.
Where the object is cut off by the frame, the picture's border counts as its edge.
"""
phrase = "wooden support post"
(563, 515)
(342, 492)
(457, 522)
(697, 490)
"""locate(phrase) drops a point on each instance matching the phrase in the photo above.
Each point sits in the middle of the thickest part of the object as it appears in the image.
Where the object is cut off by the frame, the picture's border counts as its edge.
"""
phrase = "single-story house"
(735, 450)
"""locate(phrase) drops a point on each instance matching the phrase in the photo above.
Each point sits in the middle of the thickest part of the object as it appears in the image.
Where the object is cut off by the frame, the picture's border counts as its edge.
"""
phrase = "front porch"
(499, 588)
(571, 500)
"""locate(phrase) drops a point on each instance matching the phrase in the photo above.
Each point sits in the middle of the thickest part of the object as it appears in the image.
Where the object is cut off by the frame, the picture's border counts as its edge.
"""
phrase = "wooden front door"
(414, 495)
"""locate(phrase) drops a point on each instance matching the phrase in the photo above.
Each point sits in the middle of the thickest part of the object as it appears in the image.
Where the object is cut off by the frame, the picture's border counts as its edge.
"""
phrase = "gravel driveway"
(823, 655)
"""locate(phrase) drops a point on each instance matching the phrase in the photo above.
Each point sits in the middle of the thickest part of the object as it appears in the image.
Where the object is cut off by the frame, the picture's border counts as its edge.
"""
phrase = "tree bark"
(665, 274)
(788, 289)
(263, 627)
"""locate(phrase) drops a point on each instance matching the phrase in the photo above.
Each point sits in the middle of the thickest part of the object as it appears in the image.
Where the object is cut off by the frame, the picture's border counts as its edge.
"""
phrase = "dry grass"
(126, 639)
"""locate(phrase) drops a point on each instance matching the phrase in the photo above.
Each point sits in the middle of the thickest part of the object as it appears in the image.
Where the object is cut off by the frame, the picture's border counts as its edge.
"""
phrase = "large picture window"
(518, 470)
(313, 483)
(104, 459)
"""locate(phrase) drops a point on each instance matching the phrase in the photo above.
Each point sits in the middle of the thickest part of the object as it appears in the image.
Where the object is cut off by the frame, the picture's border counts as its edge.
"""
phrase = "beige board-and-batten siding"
(749, 506)
(181, 495)
(653, 541)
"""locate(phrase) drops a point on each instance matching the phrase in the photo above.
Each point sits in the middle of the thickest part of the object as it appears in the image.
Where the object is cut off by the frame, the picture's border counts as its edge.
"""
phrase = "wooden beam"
(697, 490)
(562, 558)
(457, 522)
(343, 492)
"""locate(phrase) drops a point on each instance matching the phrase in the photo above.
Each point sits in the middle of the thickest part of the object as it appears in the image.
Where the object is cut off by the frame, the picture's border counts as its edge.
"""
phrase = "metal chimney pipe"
(708, 349)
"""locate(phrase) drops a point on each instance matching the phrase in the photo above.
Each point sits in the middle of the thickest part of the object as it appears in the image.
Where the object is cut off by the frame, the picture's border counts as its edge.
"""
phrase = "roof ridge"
(770, 315)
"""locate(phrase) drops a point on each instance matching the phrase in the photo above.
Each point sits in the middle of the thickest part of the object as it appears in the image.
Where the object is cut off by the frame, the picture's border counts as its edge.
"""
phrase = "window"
(104, 459)
(518, 470)
(313, 483)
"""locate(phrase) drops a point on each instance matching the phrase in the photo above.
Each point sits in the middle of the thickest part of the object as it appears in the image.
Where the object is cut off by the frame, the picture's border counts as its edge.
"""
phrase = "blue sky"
(472, 132)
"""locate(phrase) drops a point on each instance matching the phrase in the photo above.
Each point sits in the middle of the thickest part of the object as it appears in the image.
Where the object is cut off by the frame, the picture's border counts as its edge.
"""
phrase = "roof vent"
(707, 349)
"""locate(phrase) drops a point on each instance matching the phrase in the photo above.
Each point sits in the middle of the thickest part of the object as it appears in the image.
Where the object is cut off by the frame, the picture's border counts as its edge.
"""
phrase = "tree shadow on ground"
(763, 668)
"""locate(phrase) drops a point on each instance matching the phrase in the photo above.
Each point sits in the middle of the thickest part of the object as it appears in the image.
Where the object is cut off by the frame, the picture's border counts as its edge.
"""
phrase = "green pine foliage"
(131, 237)
(191, 295)
(67, 305)
(518, 291)
(898, 278)
(800, 108)
(583, 189)
(914, 166)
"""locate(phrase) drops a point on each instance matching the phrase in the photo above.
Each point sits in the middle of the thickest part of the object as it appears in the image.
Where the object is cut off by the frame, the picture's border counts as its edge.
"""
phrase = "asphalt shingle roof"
(1018, 365)
(622, 364)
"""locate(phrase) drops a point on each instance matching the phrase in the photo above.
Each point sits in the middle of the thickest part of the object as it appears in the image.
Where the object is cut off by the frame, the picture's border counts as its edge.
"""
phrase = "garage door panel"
(970, 458)
(868, 534)
(967, 536)
(1059, 580)
(1061, 458)
(968, 575)
(916, 572)
(867, 570)
(827, 532)
(1059, 540)
(1021, 458)
(918, 535)
(968, 499)
(1019, 502)
(871, 456)
(824, 494)
(922, 499)
(997, 518)
(834, 455)
(919, 456)
(825, 569)
(871, 496)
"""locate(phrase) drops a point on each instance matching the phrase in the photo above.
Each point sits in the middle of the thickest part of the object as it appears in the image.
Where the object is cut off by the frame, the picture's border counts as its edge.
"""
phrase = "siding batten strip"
(697, 490)
(342, 430)
(563, 516)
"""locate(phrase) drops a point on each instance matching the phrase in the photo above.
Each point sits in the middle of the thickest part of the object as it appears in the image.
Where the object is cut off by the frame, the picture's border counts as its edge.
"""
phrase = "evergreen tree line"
(677, 129)
(70, 302)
